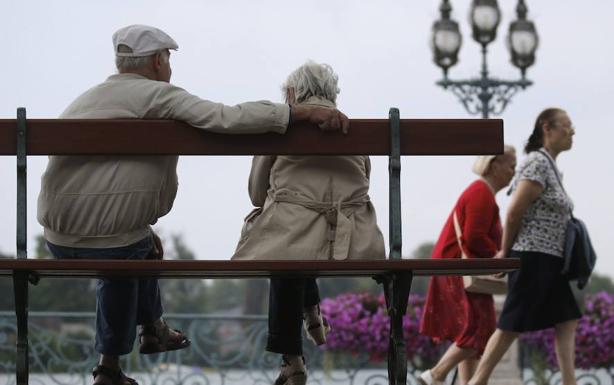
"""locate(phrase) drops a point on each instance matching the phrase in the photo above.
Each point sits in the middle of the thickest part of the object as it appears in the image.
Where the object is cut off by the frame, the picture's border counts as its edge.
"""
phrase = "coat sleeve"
(480, 216)
(173, 102)
(259, 179)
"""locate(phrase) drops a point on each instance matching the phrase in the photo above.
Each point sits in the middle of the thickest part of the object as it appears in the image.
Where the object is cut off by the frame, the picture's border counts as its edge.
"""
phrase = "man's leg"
(156, 335)
(116, 310)
(149, 303)
(496, 347)
(116, 304)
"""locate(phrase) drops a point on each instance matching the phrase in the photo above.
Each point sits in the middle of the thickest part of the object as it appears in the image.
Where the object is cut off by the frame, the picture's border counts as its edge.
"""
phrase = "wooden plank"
(163, 137)
(230, 269)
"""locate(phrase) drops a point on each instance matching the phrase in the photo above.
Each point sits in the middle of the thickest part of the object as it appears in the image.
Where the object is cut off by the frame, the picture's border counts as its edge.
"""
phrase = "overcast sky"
(235, 51)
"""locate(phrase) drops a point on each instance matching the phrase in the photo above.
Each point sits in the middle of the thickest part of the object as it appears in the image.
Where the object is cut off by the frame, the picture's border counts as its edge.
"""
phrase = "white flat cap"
(142, 40)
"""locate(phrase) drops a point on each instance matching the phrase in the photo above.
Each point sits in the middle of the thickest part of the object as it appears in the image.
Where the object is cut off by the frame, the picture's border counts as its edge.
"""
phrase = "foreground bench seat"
(45, 268)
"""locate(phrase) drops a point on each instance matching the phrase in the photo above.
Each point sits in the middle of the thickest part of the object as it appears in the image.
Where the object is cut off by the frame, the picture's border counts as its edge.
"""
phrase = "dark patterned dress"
(539, 297)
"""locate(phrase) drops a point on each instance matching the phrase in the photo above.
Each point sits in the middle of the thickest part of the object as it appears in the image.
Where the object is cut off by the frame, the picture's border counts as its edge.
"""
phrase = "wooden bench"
(392, 137)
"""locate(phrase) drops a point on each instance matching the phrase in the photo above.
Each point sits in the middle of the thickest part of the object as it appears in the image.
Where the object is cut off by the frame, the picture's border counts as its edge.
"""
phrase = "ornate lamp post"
(484, 95)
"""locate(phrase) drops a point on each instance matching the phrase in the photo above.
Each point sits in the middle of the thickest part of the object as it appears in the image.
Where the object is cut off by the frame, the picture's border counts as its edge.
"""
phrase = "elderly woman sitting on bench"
(308, 208)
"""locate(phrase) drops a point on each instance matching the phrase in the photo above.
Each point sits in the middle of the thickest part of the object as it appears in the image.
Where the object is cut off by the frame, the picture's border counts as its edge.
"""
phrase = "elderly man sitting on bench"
(101, 207)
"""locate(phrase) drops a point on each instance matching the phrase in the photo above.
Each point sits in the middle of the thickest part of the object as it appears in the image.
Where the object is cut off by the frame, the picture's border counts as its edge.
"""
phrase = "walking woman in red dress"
(451, 313)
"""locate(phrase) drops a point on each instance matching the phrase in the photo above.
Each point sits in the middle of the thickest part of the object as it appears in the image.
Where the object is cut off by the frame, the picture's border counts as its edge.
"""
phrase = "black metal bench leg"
(20, 287)
(396, 291)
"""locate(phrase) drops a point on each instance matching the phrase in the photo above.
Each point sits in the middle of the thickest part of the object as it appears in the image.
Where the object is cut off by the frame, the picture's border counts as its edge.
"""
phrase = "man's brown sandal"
(117, 377)
(154, 340)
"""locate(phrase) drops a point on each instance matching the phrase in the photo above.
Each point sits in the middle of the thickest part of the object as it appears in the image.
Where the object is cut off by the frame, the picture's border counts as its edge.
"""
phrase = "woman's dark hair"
(536, 140)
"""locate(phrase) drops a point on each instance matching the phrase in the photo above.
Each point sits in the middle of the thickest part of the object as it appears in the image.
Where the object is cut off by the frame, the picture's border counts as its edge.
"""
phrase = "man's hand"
(158, 251)
(328, 119)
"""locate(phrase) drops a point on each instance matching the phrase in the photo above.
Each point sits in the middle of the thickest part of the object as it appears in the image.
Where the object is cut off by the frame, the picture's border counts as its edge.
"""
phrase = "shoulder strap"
(556, 173)
(457, 230)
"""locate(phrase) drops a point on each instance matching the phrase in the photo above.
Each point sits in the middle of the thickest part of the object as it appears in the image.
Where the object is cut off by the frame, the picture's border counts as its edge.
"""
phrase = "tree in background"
(207, 296)
(596, 284)
(62, 294)
(599, 283)
(182, 295)
(6, 288)
(424, 250)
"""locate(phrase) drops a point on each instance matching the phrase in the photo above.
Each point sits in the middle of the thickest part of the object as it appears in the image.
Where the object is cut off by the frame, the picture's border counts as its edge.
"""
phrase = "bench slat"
(163, 137)
(229, 269)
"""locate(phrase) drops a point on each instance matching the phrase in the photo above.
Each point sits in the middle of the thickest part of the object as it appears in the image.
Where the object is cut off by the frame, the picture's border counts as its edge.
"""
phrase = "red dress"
(451, 313)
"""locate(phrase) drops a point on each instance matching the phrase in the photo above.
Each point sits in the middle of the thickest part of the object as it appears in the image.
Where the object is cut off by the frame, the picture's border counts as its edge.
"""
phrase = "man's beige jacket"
(310, 207)
(110, 201)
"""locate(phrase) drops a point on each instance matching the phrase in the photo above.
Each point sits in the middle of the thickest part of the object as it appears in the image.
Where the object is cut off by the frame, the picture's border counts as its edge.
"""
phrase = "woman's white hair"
(312, 79)
(482, 162)
(128, 64)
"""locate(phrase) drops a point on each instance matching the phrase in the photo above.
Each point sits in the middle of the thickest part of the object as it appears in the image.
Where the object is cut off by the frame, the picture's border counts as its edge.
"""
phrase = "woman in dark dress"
(539, 297)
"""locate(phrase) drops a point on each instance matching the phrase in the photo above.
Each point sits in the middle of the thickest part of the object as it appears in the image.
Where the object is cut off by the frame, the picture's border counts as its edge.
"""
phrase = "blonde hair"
(482, 162)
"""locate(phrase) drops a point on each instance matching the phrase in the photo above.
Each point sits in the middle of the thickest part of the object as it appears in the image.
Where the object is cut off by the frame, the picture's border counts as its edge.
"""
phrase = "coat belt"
(336, 214)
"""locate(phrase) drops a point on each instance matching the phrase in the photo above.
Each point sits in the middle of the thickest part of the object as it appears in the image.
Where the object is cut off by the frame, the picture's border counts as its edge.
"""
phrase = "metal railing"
(226, 350)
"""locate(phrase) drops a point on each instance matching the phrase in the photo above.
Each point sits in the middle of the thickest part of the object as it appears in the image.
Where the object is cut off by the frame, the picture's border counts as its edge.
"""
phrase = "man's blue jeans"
(121, 304)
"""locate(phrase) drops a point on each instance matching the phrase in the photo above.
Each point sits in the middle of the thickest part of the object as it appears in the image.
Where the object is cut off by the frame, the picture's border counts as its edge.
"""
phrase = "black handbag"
(578, 254)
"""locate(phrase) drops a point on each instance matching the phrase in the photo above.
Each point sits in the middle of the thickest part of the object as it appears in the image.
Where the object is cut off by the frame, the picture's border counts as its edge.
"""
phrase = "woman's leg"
(286, 316)
(315, 325)
(565, 347)
(311, 294)
(451, 358)
(466, 369)
(286, 298)
(496, 347)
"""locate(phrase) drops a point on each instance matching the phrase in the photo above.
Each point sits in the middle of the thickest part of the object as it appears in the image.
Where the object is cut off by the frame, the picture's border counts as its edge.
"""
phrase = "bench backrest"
(392, 137)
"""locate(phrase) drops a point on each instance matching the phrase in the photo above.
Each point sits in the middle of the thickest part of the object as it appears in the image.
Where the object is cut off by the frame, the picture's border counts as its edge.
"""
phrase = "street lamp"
(484, 95)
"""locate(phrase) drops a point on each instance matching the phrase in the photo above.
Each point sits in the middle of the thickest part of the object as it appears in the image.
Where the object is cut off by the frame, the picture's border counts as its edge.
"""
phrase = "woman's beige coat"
(310, 207)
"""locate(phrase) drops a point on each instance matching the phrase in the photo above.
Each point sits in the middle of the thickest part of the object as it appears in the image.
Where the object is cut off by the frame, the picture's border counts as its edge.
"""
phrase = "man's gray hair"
(127, 63)
(312, 79)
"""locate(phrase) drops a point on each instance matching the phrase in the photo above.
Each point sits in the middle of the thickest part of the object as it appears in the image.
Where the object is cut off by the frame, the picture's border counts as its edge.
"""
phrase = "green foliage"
(182, 295)
(599, 283)
(424, 250)
(6, 299)
(41, 251)
(207, 296)
(179, 249)
(332, 287)
(64, 294)
(188, 295)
